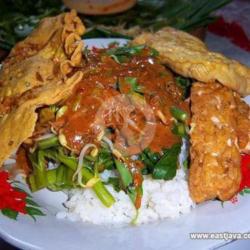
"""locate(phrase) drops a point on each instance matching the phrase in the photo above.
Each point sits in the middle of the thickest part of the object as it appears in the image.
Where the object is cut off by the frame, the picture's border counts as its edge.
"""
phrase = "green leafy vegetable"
(102, 193)
(149, 159)
(184, 84)
(166, 167)
(40, 171)
(105, 159)
(52, 176)
(161, 166)
(115, 182)
(122, 54)
(62, 177)
(48, 143)
(127, 50)
(126, 176)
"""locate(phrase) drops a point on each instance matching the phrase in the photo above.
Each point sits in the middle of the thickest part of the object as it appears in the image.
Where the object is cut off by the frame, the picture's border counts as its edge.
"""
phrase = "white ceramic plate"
(51, 234)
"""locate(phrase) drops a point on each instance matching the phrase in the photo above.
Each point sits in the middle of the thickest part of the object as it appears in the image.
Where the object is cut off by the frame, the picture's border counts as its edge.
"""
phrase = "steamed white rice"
(161, 199)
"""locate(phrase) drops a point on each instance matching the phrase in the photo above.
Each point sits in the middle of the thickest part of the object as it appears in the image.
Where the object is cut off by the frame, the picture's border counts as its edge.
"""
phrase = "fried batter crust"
(20, 123)
(215, 157)
(36, 60)
(189, 56)
(38, 77)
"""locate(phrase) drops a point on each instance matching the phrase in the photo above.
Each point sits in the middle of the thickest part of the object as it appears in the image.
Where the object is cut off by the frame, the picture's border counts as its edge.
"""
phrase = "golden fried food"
(243, 124)
(38, 59)
(44, 69)
(38, 71)
(215, 157)
(188, 56)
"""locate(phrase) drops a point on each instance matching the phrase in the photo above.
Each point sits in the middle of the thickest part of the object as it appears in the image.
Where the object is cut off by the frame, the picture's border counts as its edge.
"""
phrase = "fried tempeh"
(215, 157)
(243, 124)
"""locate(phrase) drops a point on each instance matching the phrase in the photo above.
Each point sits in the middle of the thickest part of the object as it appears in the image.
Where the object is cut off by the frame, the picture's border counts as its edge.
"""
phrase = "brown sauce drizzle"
(105, 79)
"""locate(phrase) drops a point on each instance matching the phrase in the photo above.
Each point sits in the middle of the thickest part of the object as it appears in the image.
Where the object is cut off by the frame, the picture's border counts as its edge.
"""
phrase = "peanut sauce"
(104, 80)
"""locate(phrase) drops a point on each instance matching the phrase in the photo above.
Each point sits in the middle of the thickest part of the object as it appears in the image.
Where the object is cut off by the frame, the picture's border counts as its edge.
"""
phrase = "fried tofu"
(189, 57)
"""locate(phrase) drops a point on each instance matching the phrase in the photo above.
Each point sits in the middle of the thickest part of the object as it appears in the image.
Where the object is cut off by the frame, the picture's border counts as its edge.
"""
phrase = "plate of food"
(109, 143)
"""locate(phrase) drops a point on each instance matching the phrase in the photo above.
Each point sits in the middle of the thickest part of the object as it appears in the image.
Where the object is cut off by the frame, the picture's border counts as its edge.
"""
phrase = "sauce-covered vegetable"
(125, 87)
(127, 114)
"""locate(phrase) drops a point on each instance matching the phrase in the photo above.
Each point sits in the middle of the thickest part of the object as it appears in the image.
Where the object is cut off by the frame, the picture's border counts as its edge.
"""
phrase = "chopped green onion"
(184, 84)
(121, 54)
(180, 129)
(132, 81)
(119, 59)
(178, 114)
